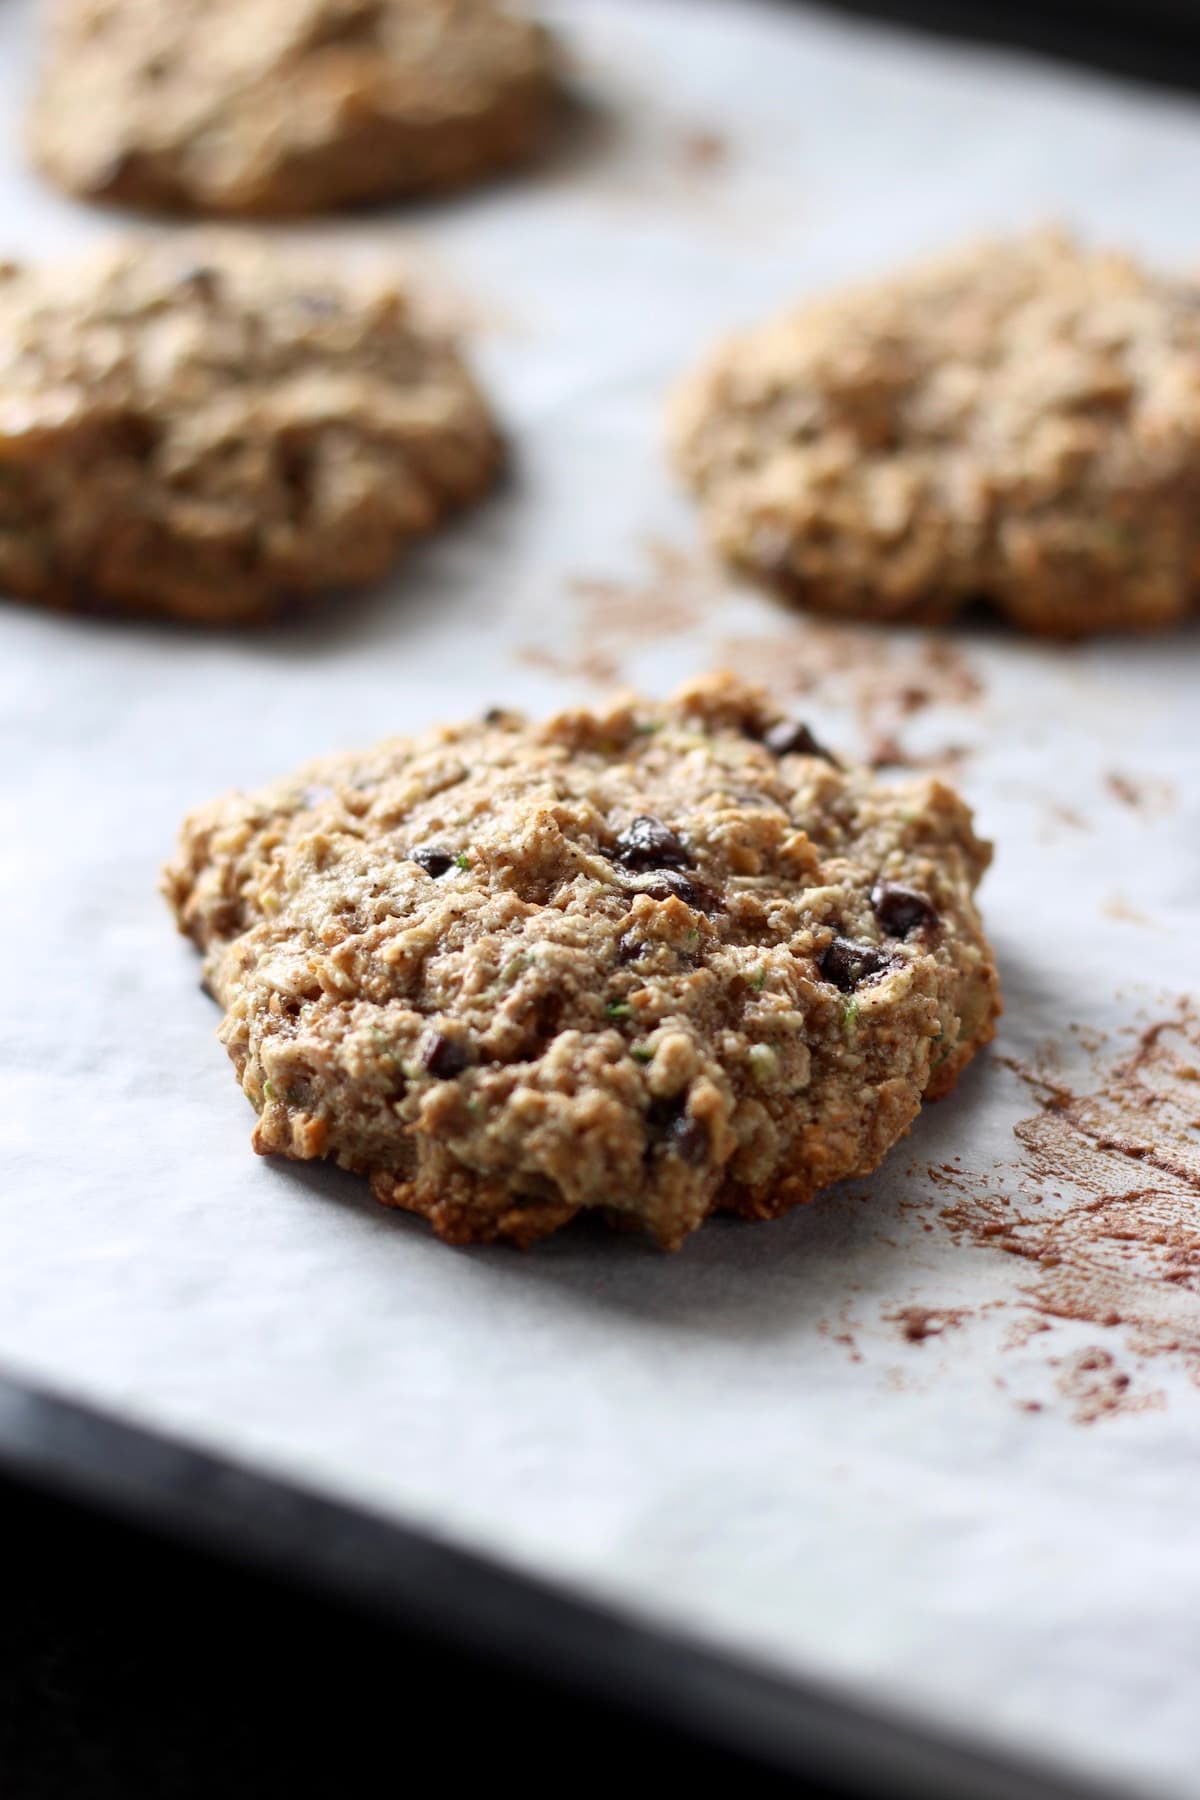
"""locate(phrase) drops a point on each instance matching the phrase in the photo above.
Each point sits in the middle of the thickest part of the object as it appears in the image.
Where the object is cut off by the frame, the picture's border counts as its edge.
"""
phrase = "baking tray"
(222, 1552)
(929, 1443)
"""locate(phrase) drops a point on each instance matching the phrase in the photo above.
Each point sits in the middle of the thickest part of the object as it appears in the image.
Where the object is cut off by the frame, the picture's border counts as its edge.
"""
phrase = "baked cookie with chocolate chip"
(1019, 422)
(260, 107)
(200, 429)
(655, 961)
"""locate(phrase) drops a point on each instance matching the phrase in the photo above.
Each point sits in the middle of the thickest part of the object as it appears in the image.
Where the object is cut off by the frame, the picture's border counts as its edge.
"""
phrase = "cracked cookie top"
(1019, 422)
(203, 428)
(285, 106)
(655, 959)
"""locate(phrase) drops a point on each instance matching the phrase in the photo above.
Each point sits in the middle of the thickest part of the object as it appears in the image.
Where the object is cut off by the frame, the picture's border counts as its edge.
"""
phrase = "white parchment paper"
(739, 1438)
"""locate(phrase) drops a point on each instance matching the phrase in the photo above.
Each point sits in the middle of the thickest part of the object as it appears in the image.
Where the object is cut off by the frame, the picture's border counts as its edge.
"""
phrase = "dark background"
(1154, 40)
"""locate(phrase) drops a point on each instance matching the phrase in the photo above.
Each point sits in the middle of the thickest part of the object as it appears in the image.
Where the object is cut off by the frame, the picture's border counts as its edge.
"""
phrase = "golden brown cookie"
(285, 106)
(199, 429)
(1019, 422)
(653, 960)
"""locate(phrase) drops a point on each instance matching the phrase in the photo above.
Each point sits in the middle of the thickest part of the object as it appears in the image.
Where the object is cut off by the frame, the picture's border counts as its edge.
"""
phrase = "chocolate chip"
(630, 947)
(673, 1129)
(662, 1114)
(902, 909)
(666, 884)
(646, 843)
(791, 737)
(432, 858)
(689, 1140)
(135, 436)
(493, 715)
(441, 1056)
(848, 965)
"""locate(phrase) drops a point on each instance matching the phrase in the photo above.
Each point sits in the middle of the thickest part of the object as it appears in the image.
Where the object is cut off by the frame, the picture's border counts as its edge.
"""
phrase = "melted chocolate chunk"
(792, 737)
(689, 1140)
(673, 1129)
(666, 883)
(432, 858)
(901, 909)
(630, 947)
(848, 965)
(646, 843)
(441, 1056)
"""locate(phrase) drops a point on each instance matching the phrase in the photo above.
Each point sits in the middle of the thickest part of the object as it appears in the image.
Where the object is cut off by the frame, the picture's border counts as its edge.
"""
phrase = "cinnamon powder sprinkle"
(614, 617)
(884, 679)
(702, 150)
(920, 1322)
(1141, 794)
(1095, 1388)
(1102, 1206)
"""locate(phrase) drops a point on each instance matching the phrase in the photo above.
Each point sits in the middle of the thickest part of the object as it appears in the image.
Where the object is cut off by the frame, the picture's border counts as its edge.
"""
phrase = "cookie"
(1019, 422)
(654, 961)
(267, 107)
(202, 430)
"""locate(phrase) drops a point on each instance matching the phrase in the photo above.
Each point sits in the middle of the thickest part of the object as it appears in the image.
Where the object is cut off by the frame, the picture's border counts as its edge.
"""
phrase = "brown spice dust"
(920, 1322)
(1102, 1204)
(1141, 794)
(614, 617)
(884, 679)
(1095, 1387)
(702, 150)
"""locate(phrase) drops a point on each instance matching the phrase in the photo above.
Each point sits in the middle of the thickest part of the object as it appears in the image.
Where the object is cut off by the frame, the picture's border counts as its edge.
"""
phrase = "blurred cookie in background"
(203, 429)
(1018, 422)
(285, 106)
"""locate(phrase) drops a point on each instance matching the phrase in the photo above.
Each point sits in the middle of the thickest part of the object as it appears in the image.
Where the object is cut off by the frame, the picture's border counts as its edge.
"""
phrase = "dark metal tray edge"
(471, 1605)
